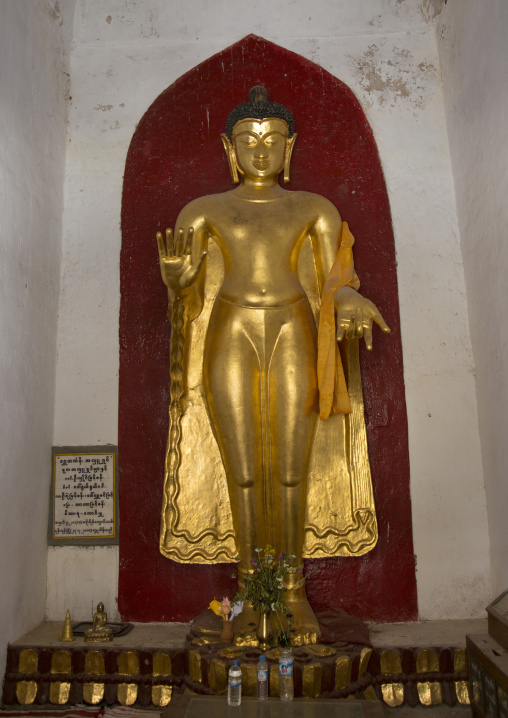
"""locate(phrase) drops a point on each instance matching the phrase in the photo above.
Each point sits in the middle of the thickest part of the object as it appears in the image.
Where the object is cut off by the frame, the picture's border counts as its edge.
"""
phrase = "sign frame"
(83, 452)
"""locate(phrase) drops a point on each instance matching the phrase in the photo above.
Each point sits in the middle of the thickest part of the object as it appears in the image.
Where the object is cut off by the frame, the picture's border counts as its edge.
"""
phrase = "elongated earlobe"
(231, 157)
(290, 143)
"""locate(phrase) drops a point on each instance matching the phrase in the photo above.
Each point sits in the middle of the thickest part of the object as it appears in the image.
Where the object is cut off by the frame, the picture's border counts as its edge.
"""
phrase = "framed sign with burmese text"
(84, 496)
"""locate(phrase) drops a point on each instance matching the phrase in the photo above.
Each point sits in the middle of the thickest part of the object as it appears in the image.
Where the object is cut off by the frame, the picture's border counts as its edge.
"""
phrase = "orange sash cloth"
(333, 395)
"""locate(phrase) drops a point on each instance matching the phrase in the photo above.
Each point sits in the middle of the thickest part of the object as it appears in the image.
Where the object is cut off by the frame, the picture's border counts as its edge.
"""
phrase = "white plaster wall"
(78, 578)
(124, 54)
(474, 57)
(32, 147)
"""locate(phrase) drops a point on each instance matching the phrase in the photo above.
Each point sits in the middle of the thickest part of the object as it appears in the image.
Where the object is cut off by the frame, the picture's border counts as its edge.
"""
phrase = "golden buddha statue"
(100, 632)
(260, 351)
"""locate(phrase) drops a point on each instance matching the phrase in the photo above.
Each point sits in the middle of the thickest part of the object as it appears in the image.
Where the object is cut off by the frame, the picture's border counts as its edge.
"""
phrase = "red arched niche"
(175, 156)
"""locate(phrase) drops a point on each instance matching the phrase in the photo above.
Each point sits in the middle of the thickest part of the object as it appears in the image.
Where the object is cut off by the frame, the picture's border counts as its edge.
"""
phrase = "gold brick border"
(57, 676)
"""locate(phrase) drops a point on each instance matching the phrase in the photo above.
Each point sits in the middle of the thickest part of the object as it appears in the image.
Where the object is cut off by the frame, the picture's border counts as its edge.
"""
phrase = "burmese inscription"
(84, 495)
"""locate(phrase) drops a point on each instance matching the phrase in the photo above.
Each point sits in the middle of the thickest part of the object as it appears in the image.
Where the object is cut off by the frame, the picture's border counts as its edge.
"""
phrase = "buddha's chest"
(272, 229)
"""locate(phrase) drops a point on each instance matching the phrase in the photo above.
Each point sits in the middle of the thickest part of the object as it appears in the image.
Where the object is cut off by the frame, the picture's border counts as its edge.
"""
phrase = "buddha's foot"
(303, 637)
(304, 629)
(245, 626)
(304, 626)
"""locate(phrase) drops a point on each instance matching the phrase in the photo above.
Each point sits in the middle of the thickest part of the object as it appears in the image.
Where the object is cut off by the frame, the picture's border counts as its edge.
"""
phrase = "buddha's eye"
(249, 141)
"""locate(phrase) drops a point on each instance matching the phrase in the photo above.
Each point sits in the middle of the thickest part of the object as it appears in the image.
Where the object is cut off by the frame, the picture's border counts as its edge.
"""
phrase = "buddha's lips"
(261, 164)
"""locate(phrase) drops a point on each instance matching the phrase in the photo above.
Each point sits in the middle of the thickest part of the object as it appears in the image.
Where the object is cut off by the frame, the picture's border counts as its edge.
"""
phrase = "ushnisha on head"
(259, 108)
(259, 136)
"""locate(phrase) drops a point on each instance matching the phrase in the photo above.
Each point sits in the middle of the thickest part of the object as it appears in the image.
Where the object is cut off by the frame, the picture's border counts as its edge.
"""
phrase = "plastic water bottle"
(235, 685)
(286, 688)
(262, 682)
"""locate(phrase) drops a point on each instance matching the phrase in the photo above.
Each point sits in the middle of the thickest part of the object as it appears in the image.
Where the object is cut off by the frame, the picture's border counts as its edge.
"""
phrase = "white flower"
(236, 609)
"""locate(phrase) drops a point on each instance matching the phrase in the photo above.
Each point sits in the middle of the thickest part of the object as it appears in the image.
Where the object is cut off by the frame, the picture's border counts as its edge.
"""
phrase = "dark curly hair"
(259, 108)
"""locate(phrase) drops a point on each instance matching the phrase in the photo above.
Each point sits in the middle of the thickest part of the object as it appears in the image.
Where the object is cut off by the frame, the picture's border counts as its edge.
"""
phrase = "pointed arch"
(175, 156)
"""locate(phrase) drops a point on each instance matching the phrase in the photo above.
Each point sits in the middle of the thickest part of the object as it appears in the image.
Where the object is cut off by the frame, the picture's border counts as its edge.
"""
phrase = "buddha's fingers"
(359, 323)
(161, 246)
(170, 243)
(367, 334)
(199, 263)
(341, 330)
(190, 275)
(188, 243)
(376, 316)
(371, 314)
(350, 333)
(179, 243)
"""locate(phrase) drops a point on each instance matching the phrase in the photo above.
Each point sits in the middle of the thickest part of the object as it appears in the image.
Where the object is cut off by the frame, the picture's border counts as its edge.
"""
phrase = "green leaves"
(264, 585)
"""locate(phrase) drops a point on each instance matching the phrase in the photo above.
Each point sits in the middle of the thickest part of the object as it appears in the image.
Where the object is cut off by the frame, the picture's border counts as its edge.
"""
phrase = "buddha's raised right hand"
(177, 269)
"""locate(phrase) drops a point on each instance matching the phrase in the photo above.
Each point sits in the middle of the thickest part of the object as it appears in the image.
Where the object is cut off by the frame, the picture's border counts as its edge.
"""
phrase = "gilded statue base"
(340, 667)
(103, 636)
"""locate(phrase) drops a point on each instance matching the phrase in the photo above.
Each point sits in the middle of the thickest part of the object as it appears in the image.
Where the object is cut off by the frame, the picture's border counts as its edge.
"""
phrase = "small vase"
(264, 631)
(227, 632)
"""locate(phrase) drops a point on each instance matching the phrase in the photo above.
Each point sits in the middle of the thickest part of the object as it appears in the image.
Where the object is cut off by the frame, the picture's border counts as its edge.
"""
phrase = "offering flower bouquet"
(264, 585)
(264, 589)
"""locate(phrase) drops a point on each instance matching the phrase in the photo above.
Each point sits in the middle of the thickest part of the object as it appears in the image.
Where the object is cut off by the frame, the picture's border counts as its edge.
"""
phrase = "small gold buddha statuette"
(100, 632)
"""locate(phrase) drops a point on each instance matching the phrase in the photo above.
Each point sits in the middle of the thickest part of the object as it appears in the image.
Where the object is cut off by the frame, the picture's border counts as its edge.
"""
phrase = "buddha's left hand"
(354, 316)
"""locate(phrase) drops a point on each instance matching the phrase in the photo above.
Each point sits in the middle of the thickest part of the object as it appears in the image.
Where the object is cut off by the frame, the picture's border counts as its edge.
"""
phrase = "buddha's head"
(259, 138)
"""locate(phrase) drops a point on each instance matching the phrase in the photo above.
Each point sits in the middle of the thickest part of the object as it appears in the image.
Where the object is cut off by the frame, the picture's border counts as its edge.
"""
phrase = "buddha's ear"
(290, 143)
(231, 157)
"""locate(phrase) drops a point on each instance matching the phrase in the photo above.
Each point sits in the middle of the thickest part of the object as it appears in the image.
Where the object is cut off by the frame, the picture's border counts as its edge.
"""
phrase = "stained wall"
(124, 54)
(474, 57)
(34, 40)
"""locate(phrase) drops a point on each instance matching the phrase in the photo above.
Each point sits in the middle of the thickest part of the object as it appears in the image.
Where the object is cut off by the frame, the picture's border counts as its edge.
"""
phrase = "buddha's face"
(260, 147)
